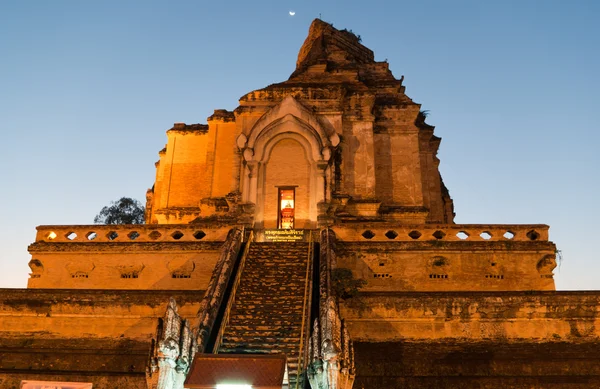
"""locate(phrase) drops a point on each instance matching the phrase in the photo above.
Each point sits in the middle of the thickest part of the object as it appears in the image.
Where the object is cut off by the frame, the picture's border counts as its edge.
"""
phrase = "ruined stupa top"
(332, 64)
(325, 45)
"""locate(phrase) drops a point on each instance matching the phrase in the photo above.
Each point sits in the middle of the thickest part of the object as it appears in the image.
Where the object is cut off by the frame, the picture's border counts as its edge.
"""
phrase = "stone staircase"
(267, 312)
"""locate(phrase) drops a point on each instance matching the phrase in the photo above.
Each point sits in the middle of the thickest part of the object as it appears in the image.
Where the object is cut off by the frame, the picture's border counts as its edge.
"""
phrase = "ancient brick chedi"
(252, 220)
(341, 131)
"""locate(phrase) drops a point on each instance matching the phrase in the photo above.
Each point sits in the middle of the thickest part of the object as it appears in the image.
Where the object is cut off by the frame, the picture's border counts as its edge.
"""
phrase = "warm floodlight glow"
(233, 386)
(52, 235)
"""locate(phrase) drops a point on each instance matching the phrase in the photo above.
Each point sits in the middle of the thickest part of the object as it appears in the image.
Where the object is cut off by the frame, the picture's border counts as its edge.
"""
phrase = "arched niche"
(288, 164)
(261, 176)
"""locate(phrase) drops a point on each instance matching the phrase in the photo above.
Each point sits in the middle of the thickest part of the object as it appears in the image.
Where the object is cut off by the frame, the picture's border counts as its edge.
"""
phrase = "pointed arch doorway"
(287, 147)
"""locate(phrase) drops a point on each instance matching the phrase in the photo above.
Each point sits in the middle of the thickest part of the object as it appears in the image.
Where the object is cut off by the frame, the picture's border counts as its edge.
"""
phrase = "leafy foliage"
(124, 211)
(344, 284)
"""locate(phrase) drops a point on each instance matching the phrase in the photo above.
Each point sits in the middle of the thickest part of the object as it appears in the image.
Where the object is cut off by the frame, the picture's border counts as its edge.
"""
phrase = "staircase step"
(261, 327)
(261, 347)
(267, 333)
(256, 339)
(252, 320)
(266, 315)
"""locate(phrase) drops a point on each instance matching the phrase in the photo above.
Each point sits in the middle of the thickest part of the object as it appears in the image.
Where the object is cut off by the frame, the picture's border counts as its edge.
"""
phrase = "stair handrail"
(215, 292)
(306, 323)
(236, 283)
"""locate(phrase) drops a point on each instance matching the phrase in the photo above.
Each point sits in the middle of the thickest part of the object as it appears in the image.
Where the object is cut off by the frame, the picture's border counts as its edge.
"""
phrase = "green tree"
(124, 211)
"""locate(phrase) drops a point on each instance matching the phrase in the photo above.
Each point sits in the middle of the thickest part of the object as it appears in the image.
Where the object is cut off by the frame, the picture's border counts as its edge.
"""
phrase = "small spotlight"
(52, 235)
(233, 386)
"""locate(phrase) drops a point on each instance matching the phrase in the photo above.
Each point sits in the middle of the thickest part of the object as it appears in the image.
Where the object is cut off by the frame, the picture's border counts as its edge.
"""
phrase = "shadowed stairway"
(271, 302)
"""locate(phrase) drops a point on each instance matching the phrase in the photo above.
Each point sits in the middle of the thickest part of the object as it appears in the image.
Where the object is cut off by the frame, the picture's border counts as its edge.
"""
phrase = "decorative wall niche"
(546, 265)
(36, 268)
(438, 268)
(80, 268)
(181, 267)
(130, 271)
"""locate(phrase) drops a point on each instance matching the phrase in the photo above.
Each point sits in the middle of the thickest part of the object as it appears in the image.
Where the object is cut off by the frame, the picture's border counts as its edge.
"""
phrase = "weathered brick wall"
(473, 316)
(411, 258)
(64, 313)
(94, 336)
(106, 257)
(432, 181)
(186, 178)
(483, 340)
(358, 156)
(398, 143)
(226, 157)
(199, 162)
(449, 364)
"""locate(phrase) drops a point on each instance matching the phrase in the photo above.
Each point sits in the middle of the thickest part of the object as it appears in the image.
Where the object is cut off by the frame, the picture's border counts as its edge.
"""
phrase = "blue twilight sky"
(88, 89)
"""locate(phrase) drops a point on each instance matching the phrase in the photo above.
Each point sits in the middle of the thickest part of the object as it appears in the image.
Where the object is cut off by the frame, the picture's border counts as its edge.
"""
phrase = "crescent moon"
(292, 13)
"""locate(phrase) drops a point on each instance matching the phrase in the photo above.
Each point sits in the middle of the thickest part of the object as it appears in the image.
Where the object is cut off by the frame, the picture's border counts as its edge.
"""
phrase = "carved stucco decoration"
(37, 268)
(331, 354)
(546, 265)
(374, 260)
(181, 264)
(80, 267)
(334, 139)
(127, 271)
(241, 141)
(326, 153)
(173, 351)
(438, 263)
(288, 120)
(288, 117)
(289, 109)
(248, 154)
(175, 344)
(330, 350)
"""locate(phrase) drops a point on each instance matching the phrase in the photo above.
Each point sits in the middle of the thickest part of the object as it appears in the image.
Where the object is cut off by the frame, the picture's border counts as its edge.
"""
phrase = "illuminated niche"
(286, 207)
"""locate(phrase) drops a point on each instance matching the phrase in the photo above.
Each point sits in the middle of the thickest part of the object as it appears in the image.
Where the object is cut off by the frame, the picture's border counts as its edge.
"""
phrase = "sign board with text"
(284, 235)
